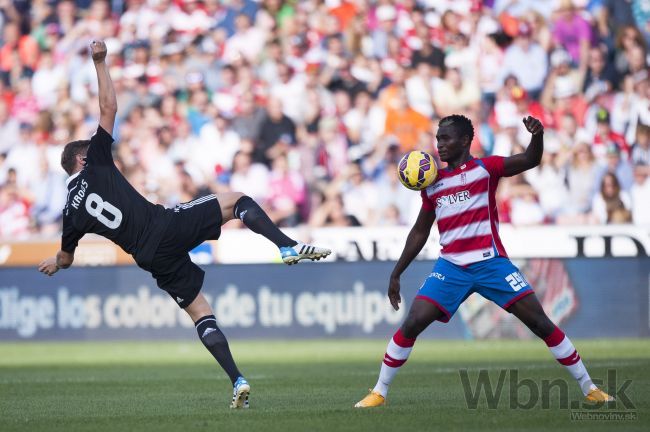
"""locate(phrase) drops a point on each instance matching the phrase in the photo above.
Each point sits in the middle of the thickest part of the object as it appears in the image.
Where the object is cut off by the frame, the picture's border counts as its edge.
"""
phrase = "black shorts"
(192, 223)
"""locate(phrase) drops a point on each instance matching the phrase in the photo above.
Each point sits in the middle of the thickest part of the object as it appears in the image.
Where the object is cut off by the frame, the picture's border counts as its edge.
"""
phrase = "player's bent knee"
(414, 325)
(227, 202)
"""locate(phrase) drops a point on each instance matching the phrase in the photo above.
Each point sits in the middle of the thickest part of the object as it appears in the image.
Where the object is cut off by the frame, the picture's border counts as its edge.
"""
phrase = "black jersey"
(101, 201)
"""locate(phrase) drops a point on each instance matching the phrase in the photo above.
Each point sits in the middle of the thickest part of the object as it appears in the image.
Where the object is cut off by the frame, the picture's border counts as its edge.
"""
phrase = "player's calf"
(566, 354)
(397, 352)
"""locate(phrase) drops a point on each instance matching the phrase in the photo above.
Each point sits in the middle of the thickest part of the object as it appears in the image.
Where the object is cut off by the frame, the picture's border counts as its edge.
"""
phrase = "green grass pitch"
(296, 385)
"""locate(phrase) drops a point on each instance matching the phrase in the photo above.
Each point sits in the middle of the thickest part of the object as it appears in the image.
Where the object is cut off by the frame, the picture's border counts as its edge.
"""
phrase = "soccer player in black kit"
(101, 201)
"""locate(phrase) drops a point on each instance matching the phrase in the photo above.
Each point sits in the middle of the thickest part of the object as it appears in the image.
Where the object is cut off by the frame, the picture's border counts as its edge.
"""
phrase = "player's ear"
(466, 141)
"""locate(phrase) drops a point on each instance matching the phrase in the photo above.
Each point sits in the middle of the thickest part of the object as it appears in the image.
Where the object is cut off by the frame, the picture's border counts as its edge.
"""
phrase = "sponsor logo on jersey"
(452, 199)
(437, 276)
(179, 300)
(81, 193)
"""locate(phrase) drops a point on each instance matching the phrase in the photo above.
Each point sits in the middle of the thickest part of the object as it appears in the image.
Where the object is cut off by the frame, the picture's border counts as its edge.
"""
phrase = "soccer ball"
(417, 170)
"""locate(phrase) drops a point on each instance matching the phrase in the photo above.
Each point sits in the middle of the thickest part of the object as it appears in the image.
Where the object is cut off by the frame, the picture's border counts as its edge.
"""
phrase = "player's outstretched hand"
(48, 266)
(98, 50)
(393, 293)
(533, 125)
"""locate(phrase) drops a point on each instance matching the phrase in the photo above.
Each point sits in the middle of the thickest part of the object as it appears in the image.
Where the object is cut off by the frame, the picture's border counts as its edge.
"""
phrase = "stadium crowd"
(306, 106)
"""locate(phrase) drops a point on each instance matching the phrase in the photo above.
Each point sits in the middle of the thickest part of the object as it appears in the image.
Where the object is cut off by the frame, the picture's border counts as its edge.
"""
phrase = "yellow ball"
(417, 170)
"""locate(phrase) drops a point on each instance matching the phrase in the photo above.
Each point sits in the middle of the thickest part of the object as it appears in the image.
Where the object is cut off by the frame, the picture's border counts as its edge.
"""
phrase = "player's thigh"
(500, 281)
(192, 223)
(446, 287)
(180, 278)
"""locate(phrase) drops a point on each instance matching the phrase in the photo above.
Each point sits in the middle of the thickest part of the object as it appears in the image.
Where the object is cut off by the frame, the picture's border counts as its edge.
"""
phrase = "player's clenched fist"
(533, 125)
(98, 50)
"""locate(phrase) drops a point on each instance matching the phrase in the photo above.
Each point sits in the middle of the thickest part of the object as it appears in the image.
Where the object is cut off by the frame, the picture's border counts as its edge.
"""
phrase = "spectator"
(9, 129)
(527, 61)
(404, 123)
(277, 133)
(251, 178)
(641, 147)
(640, 195)
(572, 32)
(14, 214)
(287, 193)
(611, 205)
(456, 95)
(605, 137)
(615, 163)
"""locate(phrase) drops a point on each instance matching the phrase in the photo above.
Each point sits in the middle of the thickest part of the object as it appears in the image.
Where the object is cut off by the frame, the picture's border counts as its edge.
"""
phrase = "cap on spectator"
(386, 13)
(560, 57)
(518, 94)
(602, 116)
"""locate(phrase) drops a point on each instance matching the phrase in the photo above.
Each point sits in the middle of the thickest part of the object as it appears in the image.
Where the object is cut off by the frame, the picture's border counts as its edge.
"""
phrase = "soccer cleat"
(598, 396)
(373, 399)
(240, 392)
(293, 254)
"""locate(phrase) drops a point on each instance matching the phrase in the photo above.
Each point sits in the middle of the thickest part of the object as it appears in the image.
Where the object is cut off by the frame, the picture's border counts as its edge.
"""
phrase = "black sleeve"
(99, 152)
(70, 237)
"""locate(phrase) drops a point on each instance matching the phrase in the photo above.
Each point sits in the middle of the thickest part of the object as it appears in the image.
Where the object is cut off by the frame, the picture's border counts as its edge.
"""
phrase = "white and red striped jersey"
(466, 210)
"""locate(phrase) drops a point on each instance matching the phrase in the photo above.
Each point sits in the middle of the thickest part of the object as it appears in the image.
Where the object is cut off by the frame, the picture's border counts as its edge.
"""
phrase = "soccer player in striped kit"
(472, 258)
(101, 201)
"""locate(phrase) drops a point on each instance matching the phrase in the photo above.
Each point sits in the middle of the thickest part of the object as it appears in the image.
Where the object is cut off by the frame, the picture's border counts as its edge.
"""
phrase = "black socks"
(216, 343)
(252, 215)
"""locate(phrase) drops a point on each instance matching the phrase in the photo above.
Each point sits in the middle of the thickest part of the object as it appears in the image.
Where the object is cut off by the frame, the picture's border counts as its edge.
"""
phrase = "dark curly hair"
(462, 124)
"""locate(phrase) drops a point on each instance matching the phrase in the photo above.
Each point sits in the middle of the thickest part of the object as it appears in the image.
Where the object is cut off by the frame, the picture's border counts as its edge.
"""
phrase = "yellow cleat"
(598, 396)
(373, 399)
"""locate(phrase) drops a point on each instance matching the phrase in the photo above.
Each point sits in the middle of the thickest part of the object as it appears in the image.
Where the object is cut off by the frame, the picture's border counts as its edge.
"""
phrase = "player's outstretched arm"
(62, 260)
(107, 98)
(415, 241)
(521, 162)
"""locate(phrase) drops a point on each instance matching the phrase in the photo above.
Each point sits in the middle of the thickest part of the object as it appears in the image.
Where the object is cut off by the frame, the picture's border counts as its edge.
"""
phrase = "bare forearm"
(107, 98)
(414, 244)
(535, 148)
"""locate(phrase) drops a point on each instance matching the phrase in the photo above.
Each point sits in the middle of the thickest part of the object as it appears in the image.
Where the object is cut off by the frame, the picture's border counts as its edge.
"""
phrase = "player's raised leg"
(237, 205)
(421, 314)
(215, 342)
(530, 312)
